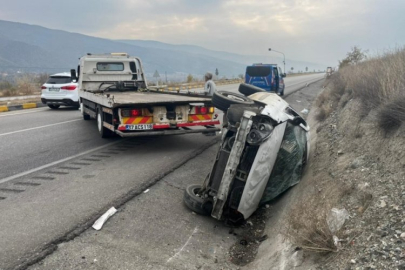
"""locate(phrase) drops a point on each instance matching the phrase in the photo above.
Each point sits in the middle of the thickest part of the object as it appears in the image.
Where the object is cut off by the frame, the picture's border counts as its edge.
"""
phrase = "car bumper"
(65, 101)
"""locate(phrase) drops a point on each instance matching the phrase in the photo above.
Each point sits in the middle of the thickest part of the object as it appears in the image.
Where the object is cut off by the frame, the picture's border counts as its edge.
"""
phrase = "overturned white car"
(264, 147)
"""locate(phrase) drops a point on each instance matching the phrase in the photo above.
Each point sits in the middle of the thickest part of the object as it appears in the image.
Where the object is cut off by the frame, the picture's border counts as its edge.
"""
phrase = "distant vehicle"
(266, 76)
(113, 90)
(60, 89)
(329, 71)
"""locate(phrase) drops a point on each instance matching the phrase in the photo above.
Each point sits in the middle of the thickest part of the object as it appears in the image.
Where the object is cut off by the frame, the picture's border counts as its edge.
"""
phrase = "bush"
(392, 114)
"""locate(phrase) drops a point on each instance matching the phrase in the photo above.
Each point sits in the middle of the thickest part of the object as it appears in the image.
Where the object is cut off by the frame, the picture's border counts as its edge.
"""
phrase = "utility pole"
(270, 49)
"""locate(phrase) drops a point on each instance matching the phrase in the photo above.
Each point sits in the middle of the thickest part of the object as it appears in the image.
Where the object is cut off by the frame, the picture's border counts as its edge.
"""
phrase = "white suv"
(60, 89)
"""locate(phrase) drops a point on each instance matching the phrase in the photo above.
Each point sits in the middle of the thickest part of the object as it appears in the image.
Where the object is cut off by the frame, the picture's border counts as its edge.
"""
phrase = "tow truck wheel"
(104, 132)
(85, 115)
(195, 202)
(248, 89)
(224, 99)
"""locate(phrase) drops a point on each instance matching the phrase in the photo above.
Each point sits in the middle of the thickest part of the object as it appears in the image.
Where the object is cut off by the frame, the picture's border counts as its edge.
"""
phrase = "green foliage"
(190, 78)
(355, 56)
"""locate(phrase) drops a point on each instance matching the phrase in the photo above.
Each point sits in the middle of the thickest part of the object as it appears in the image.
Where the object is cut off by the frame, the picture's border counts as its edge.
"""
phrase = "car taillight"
(69, 87)
(43, 87)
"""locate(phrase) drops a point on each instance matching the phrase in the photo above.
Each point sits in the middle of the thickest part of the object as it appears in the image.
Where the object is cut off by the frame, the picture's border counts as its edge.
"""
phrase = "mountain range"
(32, 48)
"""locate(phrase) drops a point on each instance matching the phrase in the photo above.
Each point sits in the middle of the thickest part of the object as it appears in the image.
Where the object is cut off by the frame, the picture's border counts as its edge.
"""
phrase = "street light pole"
(282, 54)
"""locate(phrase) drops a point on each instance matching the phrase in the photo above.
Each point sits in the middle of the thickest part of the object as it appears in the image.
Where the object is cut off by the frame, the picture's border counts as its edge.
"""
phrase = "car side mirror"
(73, 74)
(283, 75)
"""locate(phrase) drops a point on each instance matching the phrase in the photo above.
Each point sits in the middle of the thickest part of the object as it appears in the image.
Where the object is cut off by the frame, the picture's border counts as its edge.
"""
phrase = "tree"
(306, 69)
(355, 56)
(190, 78)
(292, 69)
(216, 72)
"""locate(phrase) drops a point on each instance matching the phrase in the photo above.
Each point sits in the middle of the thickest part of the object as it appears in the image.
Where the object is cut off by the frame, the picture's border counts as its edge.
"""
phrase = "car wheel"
(104, 132)
(248, 89)
(54, 107)
(85, 115)
(195, 202)
(223, 99)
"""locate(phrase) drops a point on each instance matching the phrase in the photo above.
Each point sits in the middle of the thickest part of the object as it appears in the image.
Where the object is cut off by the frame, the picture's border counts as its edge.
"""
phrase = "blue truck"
(266, 76)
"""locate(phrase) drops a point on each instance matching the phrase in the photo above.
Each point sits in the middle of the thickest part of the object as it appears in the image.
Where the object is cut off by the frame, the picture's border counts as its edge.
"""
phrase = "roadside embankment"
(348, 211)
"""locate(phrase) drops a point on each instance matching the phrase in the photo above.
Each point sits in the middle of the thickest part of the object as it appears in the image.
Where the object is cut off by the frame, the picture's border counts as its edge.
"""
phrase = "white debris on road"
(305, 111)
(100, 222)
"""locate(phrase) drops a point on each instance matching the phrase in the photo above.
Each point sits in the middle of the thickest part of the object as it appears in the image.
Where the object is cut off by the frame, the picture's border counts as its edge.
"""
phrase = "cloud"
(310, 30)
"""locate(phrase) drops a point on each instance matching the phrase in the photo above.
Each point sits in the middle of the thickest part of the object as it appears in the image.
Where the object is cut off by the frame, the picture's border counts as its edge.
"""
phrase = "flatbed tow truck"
(113, 90)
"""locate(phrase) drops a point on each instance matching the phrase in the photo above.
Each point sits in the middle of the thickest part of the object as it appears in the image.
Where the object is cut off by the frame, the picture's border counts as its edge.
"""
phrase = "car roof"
(63, 74)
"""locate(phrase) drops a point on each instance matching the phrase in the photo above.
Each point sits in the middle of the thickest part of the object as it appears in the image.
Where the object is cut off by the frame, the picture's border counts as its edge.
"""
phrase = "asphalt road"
(57, 174)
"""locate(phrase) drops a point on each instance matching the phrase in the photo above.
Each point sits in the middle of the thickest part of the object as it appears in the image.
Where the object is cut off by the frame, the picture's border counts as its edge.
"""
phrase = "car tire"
(104, 132)
(194, 202)
(223, 99)
(85, 115)
(248, 89)
(53, 107)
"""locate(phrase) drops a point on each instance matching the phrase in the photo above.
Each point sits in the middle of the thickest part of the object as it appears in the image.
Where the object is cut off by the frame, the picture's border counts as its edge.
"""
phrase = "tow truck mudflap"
(166, 132)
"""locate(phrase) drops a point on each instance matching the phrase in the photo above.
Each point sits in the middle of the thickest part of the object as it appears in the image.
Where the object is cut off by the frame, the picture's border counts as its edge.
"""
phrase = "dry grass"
(380, 84)
(329, 99)
(307, 227)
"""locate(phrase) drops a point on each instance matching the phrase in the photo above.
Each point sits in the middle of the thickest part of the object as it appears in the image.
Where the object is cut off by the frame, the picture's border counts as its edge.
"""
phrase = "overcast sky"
(319, 31)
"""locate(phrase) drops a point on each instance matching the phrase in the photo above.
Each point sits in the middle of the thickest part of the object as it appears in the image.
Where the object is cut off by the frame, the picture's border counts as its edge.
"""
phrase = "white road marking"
(188, 240)
(50, 125)
(57, 162)
(23, 112)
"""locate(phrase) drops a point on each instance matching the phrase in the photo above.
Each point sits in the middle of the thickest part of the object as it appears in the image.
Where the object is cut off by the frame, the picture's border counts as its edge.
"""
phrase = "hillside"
(33, 48)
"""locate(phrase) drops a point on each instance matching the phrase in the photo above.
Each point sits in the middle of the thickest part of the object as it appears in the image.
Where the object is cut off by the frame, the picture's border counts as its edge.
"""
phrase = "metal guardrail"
(189, 86)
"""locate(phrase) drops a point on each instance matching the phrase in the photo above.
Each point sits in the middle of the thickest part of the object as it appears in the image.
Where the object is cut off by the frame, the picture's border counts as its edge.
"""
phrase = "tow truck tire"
(53, 107)
(223, 99)
(194, 202)
(247, 89)
(85, 115)
(104, 132)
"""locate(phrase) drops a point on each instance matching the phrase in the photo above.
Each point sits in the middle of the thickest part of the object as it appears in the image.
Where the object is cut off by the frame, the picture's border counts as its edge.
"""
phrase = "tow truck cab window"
(110, 66)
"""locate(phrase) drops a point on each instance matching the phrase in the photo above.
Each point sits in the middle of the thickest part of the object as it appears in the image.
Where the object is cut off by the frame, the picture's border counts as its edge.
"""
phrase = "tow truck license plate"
(139, 127)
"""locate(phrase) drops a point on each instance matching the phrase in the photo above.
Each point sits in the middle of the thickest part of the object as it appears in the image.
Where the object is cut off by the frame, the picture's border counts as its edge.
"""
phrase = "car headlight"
(259, 134)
